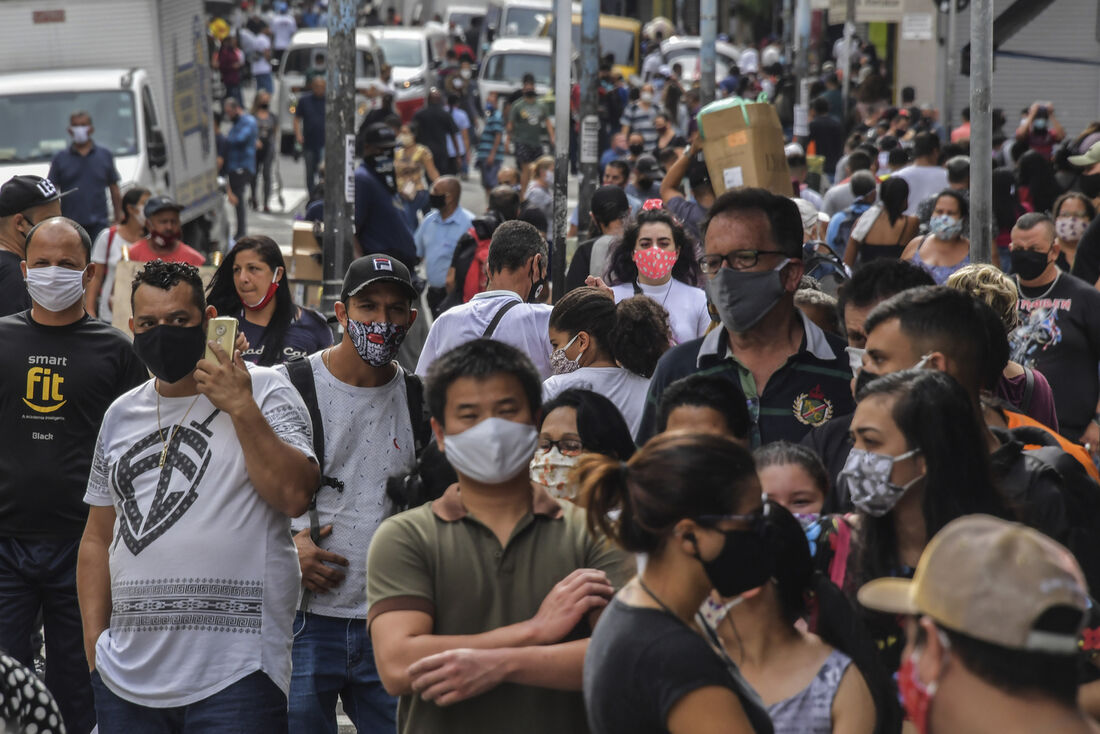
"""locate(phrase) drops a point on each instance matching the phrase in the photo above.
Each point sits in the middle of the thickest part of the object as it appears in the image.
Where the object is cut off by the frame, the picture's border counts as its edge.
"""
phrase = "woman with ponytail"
(692, 503)
(605, 347)
(825, 683)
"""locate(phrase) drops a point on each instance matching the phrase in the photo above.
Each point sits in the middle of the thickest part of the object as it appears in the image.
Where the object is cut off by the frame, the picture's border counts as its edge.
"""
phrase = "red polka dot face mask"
(655, 263)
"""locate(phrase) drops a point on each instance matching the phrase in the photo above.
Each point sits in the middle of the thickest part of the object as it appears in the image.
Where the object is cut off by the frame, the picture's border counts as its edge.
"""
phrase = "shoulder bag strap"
(110, 238)
(1029, 389)
(492, 327)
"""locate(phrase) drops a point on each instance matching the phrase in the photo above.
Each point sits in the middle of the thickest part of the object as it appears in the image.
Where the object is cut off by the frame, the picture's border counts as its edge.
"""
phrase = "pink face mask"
(654, 263)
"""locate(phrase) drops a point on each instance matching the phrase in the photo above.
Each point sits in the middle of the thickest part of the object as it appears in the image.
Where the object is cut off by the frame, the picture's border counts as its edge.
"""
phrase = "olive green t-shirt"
(528, 122)
(440, 560)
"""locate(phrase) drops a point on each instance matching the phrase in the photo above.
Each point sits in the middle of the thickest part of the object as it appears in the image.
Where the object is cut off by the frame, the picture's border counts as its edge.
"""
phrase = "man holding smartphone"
(362, 396)
(187, 614)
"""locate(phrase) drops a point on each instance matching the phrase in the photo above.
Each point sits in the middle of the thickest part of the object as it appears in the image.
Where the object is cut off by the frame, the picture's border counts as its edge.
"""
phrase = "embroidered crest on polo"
(813, 408)
(381, 263)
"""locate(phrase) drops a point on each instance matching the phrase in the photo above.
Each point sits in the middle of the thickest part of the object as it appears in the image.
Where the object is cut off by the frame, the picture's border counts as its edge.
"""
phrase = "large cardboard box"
(743, 146)
(303, 261)
(125, 271)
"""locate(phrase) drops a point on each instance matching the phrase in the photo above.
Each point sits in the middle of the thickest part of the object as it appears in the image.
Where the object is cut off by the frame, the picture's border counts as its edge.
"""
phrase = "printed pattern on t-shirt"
(228, 605)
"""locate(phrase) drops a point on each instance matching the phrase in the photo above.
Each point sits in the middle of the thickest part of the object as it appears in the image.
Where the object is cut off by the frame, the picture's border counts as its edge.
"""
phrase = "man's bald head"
(448, 186)
(60, 232)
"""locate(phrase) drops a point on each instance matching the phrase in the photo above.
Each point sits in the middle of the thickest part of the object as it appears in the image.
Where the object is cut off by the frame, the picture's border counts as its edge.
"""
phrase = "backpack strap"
(418, 412)
(300, 372)
(1029, 389)
(492, 327)
(838, 568)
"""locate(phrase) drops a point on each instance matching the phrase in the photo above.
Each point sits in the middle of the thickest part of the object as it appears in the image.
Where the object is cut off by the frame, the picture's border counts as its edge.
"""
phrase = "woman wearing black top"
(692, 503)
(251, 284)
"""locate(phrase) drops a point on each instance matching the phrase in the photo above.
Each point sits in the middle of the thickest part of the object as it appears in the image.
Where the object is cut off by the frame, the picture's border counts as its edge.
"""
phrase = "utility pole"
(337, 245)
(846, 56)
(952, 66)
(708, 32)
(563, 51)
(590, 118)
(981, 130)
(802, 66)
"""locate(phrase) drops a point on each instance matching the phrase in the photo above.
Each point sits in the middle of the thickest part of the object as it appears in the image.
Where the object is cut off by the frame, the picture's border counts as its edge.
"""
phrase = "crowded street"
(395, 366)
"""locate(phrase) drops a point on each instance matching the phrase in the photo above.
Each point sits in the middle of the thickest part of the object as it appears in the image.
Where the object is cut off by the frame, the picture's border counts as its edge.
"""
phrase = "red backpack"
(477, 274)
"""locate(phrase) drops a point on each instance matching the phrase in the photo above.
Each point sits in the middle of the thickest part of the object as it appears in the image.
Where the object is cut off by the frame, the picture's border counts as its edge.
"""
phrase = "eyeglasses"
(567, 446)
(737, 260)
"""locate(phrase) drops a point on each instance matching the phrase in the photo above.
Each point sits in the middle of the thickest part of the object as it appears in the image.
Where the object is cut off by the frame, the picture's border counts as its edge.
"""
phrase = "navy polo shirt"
(811, 387)
(380, 224)
(90, 175)
(311, 109)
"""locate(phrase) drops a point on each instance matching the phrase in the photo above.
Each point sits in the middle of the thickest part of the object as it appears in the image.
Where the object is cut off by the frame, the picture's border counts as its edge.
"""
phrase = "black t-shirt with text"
(58, 381)
(307, 333)
(1060, 336)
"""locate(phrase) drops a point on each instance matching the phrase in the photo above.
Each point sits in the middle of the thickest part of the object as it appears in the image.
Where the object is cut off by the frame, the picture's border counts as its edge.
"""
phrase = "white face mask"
(139, 217)
(81, 133)
(55, 288)
(493, 451)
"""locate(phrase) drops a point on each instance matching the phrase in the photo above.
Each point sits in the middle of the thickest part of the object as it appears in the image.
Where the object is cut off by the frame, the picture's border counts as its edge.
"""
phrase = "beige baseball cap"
(989, 579)
(1089, 158)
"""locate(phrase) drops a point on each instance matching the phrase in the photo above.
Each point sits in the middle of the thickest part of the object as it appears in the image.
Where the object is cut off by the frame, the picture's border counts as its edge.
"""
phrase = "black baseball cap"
(24, 192)
(647, 166)
(609, 202)
(381, 135)
(377, 268)
(159, 204)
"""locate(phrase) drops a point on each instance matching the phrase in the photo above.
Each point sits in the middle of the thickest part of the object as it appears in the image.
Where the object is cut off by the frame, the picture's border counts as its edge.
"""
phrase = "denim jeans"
(40, 575)
(333, 657)
(238, 184)
(264, 82)
(314, 157)
(252, 705)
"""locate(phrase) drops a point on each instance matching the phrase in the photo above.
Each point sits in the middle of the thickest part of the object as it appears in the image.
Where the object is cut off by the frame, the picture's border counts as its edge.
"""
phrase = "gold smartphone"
(222, 330)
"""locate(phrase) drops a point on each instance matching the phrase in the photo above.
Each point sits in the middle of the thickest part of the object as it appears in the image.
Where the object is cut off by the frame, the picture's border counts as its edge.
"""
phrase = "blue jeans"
(333, 657)
(314, 157)
(252, 705)
(40, 575)
(263, 81)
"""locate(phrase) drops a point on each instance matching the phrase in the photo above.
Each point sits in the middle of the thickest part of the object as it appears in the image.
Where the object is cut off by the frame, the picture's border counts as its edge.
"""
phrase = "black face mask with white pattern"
(377, 342)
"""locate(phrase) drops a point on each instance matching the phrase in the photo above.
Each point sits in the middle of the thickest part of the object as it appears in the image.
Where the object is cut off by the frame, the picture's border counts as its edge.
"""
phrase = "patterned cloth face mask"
(562, 365)
(551, 469)
(867, 476)
(655, 263)
(377, 342)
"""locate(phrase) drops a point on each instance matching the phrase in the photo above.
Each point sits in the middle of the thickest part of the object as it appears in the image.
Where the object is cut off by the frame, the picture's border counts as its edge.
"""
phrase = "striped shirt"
(494, 125)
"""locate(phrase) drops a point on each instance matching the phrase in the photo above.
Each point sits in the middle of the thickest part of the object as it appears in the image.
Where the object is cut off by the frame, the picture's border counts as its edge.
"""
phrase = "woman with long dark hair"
(884, 229)
(607, 347)
(920, 460)
(818, 681)
(656, 259)
(251, 284)
(574, 423)
(691, 502)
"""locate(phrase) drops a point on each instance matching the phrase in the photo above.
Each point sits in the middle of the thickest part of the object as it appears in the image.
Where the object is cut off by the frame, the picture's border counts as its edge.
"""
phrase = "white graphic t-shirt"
(368, 438)
(204, 574)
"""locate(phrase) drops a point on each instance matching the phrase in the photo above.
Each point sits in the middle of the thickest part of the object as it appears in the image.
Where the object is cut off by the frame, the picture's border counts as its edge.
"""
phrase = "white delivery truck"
(141, 69)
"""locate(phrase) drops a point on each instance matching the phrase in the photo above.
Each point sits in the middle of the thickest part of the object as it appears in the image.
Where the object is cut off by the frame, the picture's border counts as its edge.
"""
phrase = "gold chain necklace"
(175, 428)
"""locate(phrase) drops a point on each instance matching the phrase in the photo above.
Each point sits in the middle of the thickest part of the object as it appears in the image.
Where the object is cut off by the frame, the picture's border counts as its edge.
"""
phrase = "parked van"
(512, 18)
(149, 97)
(508, 59)
(468, 19)
(306, 49)
(414, 54)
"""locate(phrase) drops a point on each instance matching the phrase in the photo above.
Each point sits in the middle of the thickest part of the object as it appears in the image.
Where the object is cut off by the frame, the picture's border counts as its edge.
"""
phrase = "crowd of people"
(774, 462)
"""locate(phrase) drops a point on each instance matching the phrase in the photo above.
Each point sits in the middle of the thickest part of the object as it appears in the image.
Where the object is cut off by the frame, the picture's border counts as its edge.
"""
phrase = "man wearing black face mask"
(60, 370)
(439, 232)
(794, 375)
(201, 467)
(24, 201)
(516, 268)
(380, 222)
(1060, 328)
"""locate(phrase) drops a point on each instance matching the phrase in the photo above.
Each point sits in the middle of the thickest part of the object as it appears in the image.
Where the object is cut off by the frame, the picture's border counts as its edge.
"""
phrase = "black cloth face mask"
(744, 563)
(171, 352)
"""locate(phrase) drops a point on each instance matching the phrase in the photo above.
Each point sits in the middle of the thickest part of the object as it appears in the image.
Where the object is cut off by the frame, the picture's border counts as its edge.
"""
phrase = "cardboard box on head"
(743, 146)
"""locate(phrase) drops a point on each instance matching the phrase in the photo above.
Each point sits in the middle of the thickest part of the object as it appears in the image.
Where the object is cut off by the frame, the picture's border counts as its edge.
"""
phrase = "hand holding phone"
(223, 330)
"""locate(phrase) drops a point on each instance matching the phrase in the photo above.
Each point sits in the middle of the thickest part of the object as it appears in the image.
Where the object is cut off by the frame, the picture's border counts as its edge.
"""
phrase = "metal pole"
(952, 67)
(563, 51)
(802, 49)
(590, 119)
(708, 32)
(846, 56)
(981, 131)
(339, 149)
